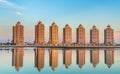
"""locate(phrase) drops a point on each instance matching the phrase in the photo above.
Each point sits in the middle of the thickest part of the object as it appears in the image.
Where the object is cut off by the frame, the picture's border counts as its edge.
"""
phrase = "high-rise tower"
(40, 34)
(80, 35)
(53, 34)
(18, 34)
(67, 35)
(108, 36)
(94, 36)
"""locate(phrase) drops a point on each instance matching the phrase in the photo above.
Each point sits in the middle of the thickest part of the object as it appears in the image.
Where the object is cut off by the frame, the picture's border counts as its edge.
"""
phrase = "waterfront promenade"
(46, 46)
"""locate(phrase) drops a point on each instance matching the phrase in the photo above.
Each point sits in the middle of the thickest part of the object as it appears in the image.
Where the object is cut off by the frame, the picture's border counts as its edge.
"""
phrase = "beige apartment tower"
(80, 32)
(18, 34)
(109, 36)
(40, 34)
(94, 36)
(53, 35)
(67, 35)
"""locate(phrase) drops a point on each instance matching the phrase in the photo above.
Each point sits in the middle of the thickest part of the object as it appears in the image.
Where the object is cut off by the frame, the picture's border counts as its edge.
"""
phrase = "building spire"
(80, 25)
(39, 22)
(66, 25)
(18, 23)
(108, 25)
(53, 23)
(94, 26)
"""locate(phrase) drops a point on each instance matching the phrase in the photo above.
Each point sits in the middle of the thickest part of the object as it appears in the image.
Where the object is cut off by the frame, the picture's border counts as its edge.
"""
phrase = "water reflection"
(53, 58)
(94, 57)
(81, 57)
(39, 58)
(66, 56)
(17, 58)
(109, 57)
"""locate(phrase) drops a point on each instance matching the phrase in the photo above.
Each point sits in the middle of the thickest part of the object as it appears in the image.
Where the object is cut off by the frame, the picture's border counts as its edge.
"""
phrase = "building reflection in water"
(81, 57)
(67, 57)
(39, 58)
(94, 57)
(53, 58)
(109, 57)
(17, 58)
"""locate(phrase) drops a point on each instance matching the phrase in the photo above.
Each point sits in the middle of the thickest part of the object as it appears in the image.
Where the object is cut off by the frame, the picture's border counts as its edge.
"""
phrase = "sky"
(62, 12)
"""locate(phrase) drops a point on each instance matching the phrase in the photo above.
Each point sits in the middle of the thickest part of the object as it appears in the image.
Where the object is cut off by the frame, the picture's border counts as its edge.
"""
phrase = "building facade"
(80, 35)
(67, 35)
(53, 34)
(40, 34)
(18, 34)
(94, 36)
(109, 36)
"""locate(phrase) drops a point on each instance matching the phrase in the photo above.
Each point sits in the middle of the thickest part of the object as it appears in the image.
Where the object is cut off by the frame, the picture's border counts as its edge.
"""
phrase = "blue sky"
(72, 12)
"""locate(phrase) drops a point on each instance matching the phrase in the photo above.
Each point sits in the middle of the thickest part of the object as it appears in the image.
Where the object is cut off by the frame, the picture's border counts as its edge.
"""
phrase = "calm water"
(59, 61)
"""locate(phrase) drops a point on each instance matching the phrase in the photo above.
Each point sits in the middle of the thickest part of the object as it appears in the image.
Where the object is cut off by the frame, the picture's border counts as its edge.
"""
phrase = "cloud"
(19, 13)
(4, 2)
(10, 4)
